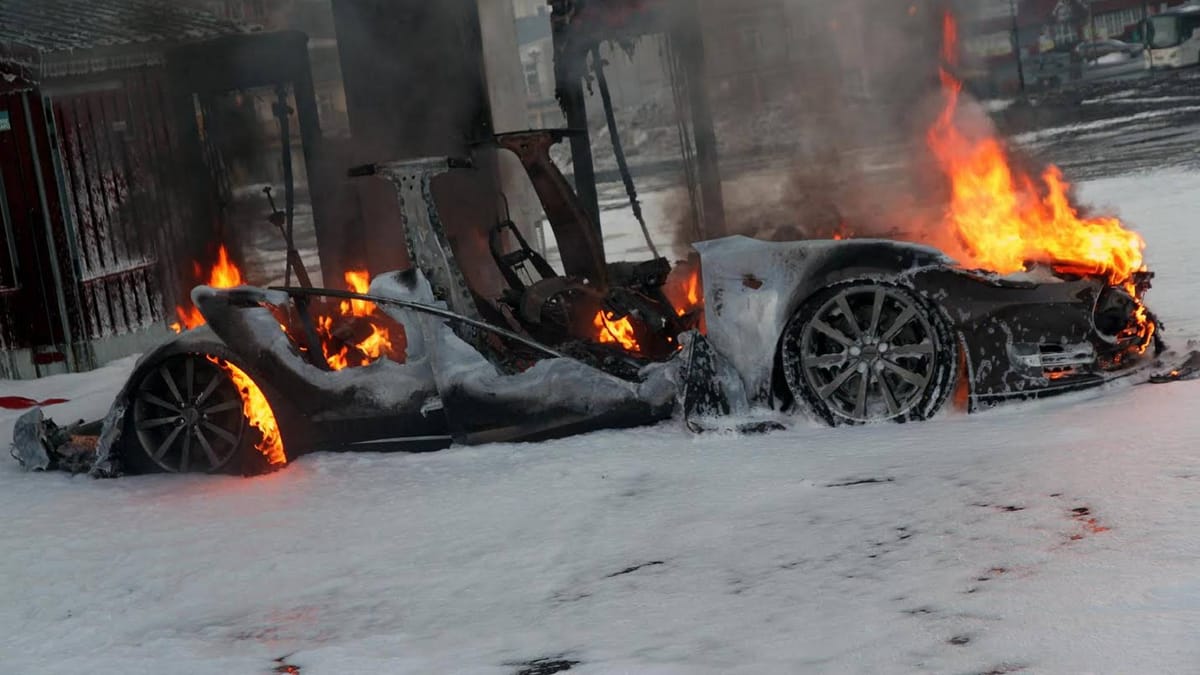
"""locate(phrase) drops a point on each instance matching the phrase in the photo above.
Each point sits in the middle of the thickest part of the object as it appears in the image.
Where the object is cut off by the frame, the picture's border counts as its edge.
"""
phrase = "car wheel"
(866, 352)
(186, 416)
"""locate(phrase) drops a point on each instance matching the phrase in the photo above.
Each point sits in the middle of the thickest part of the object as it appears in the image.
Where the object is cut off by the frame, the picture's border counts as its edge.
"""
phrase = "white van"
(1173, 38)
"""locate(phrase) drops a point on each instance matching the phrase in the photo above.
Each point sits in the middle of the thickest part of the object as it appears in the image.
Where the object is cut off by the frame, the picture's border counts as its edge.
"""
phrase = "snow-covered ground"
(1059, 537)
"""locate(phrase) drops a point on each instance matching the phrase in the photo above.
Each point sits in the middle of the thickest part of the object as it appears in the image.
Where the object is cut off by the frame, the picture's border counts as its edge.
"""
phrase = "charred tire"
(863, 352)
(185, 416)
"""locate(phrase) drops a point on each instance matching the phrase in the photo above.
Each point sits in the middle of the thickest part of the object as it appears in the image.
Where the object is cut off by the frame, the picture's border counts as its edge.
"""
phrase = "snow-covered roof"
(49, 26)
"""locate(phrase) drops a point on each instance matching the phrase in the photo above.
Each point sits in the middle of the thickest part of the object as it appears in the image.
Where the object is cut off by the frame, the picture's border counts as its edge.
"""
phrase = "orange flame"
(949, 39)
(682, 290)
(375, 346)
(1004, 219)
(258, 412)
(616, 331)
(224, 274)
(693, 289)
(694, 301)
(1001, 218)
(359, 282)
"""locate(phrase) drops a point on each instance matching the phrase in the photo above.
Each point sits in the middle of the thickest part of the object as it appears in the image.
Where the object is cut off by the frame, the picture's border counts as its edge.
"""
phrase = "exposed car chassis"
(852, 331)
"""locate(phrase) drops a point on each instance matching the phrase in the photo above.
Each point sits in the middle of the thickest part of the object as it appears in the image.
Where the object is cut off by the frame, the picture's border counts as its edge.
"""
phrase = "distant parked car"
(1088, 62)
(1109, 59)
(1051, 69)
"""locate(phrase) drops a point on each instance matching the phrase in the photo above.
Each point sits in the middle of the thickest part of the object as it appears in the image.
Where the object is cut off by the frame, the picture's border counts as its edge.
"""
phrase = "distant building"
(537, 62)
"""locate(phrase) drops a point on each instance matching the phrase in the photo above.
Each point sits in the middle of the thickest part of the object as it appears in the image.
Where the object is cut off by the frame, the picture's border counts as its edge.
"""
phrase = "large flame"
(1002, 218)
(224, 274)
(258, 412)
(337, 352)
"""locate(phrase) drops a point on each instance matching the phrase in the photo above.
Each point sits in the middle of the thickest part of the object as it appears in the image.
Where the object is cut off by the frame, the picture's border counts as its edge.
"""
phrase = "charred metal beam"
(570, 72)
(580, 242)
(425, 235)
(689, 39)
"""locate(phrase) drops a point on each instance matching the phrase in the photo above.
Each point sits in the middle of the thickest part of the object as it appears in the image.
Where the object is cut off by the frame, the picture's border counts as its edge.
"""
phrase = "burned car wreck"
(845, 332)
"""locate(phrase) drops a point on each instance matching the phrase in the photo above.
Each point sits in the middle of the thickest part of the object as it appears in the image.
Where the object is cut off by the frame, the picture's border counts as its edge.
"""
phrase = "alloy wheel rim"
(868, 354)
(188, 416)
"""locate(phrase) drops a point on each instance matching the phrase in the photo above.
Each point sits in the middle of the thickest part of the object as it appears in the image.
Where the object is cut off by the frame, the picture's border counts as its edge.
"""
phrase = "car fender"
(201, 340)
(752, 288)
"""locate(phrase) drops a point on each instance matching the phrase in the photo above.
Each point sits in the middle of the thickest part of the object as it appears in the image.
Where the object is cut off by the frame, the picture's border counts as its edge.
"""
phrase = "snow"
(1043, 135)
(998, 104)
(1114, 58)
(954, 546)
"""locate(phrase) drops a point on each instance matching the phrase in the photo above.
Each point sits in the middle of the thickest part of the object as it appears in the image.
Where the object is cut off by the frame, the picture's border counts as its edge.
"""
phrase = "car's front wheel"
(863, 352)
(186, 416)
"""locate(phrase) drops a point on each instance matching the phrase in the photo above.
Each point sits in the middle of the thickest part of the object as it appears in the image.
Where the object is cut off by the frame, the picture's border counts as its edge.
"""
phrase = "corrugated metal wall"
(116, 146)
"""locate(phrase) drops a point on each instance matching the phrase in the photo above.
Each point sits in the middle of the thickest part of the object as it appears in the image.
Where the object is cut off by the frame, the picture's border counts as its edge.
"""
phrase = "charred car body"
(853, 331)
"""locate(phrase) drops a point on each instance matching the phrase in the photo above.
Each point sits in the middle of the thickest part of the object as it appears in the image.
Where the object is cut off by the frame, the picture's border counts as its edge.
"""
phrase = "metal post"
(570, 70)
(282, 113)
(689, 39)
(574, 104)
(1146, 32)
(1016, 40)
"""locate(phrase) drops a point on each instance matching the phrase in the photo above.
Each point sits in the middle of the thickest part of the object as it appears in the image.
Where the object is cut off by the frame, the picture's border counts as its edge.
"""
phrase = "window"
(1063, 33)
(1188, 25)
(1115, 23)
(751, 40)
(533, 79)
(1164, 32)
(326, 109)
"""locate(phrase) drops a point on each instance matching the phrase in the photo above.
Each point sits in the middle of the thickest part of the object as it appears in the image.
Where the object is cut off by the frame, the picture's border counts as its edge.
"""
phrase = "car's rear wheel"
(864, 352)
(187, 417)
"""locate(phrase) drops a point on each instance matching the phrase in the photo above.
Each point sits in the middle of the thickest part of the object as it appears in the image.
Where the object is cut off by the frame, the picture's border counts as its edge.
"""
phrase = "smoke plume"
(842, 121)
